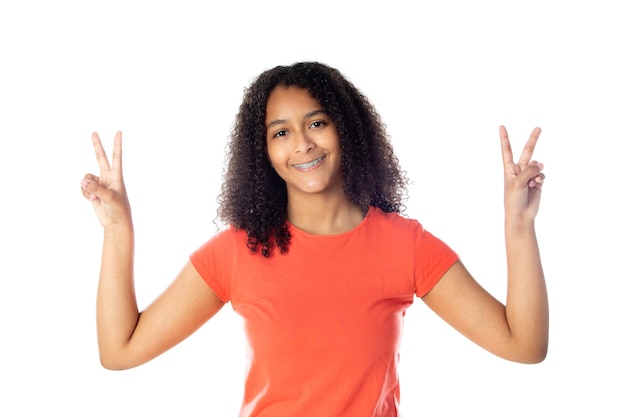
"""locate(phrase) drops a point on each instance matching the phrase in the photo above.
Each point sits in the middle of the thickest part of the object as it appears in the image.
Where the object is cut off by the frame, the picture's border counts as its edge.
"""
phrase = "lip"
(309, 165)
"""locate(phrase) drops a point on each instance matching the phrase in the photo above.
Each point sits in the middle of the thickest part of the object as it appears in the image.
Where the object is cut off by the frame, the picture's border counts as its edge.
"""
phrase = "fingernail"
(84, 183)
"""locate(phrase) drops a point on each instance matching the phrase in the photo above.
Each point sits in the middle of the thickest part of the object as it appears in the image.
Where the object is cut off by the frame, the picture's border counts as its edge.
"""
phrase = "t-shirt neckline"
(355, 229)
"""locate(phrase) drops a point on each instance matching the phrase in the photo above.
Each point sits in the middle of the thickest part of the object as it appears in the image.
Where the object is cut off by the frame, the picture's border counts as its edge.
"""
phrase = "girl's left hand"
(522, 180)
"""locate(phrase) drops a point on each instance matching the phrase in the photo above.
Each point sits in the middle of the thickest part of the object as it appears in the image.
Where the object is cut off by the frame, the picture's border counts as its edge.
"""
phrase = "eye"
(317, 123)
(279, 134)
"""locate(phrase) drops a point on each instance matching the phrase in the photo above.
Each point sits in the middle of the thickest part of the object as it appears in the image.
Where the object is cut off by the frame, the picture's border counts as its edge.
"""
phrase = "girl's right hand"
(107, 192)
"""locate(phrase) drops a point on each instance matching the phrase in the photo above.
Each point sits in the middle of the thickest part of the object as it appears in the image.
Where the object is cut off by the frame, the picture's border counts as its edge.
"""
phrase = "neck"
(323, 214)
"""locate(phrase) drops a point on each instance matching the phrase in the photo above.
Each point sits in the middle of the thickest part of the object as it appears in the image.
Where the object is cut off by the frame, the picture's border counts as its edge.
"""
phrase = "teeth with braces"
(309, 164)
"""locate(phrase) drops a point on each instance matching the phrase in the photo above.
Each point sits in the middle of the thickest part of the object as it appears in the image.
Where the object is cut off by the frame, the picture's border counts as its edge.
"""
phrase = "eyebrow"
(310, 114)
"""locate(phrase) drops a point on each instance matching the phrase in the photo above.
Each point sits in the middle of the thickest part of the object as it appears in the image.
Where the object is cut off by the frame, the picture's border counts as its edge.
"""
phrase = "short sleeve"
(432, 260)
(214, 262)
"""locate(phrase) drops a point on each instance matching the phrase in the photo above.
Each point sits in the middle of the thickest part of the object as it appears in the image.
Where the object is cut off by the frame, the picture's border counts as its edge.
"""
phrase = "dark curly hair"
(254, 198)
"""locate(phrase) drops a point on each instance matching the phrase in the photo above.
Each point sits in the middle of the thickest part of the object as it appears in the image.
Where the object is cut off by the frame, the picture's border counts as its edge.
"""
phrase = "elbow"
(114, 363)
(539, 356)
(116, 357)
(539, 352)
(530, 349)
(533, 359)
(532, 355)
(111, 365)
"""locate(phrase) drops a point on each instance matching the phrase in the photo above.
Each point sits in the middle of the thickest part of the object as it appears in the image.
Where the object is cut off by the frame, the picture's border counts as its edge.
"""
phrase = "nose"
(302, 143)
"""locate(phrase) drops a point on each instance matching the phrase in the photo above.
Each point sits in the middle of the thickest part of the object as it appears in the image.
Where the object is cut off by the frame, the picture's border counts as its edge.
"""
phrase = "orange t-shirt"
(324, 320)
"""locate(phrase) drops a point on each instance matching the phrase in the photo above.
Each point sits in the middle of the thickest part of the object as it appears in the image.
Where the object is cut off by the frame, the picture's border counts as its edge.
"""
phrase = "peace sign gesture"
(522, 180)
(107, 192)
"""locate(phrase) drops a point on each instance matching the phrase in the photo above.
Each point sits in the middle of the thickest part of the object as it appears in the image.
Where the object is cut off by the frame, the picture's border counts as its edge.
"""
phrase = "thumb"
(531, 173)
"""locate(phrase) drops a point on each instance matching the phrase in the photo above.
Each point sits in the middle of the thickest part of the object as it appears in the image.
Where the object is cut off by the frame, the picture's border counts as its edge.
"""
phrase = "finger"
(538, 180)
(94, 191)
(92, 177)
(117, 152)
(529, 148)
(507, 154)
(89, 196)
(101, 155)
(84, 188)
(532, 171)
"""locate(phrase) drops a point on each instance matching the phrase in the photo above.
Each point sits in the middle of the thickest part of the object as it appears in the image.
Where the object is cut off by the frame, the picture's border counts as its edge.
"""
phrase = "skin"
(517, 331)
(299, 133)
(127, 338)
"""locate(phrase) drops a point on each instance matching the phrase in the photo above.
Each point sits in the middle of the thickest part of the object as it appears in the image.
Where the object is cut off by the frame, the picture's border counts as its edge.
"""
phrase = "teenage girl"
(318, 258)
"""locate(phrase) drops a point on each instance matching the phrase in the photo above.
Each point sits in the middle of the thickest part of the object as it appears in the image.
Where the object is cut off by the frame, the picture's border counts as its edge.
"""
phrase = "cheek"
(275, 154)
(272, 153)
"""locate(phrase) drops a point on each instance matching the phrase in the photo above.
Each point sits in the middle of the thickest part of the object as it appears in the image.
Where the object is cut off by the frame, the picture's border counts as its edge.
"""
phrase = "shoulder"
(226, 240)
(391, 222)
(399, 230)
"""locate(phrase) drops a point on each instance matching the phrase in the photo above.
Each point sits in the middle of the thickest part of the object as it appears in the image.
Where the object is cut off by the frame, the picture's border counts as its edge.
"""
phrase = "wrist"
(519, 223)
(119, 229)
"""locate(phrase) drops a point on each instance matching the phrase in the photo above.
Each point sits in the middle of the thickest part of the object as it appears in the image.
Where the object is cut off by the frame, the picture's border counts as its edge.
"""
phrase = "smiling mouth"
(310, 164)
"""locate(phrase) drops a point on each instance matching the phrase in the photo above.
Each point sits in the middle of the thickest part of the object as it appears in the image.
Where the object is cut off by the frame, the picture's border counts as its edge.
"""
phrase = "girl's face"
(302, 143)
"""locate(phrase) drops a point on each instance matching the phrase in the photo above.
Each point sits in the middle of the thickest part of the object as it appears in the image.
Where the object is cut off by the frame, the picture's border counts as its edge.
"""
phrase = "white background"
(443, 75)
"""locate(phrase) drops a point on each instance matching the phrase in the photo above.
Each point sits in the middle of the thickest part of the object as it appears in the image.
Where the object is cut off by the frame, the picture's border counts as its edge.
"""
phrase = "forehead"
(284, 101)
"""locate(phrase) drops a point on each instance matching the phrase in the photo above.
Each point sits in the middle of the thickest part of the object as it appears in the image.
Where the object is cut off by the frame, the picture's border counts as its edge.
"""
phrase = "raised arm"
(127, 338)
(517, 331)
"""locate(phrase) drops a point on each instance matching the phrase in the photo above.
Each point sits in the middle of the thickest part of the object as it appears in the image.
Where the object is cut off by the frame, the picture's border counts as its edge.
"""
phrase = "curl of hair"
(254, 198)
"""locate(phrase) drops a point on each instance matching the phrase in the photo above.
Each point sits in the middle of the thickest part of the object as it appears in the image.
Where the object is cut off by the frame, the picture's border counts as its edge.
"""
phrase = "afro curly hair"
(254, 198)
